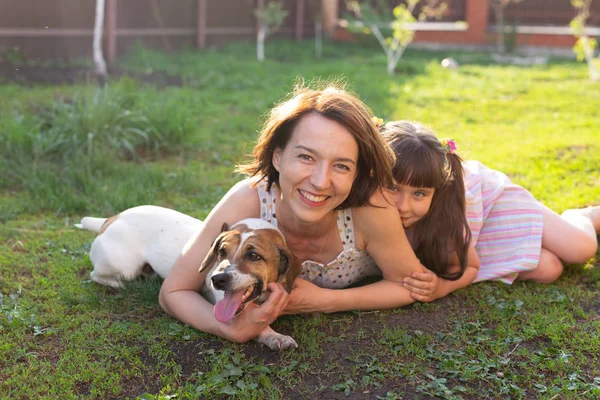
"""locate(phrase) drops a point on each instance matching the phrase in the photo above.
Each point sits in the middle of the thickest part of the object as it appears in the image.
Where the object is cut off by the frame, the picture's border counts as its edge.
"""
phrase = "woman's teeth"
(314, 199)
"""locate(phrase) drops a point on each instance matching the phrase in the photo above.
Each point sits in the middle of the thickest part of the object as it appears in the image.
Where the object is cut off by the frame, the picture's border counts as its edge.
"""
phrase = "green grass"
(70, 151)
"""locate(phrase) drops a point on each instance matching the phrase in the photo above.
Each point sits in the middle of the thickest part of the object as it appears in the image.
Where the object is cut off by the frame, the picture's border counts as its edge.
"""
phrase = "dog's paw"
(277, 341)
(107, 281)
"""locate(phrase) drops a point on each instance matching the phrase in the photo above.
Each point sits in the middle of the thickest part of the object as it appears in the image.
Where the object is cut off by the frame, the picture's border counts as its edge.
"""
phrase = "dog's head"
(244, 259)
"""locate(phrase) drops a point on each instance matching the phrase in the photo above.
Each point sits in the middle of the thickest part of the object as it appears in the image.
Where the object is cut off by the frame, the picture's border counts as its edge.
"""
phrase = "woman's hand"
(255, 318)
(306, 297)
(423, 286)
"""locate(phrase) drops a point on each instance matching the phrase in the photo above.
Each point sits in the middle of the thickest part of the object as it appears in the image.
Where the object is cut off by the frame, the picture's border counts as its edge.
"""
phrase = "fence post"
(111, 30)
(329, 16)
(477, 15)
(201, 24)
(299, 20)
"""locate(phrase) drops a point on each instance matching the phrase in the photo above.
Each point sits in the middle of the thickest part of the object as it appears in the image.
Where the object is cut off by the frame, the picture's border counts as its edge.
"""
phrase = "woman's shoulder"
(241, 201)
(378, 227)
(381, 212)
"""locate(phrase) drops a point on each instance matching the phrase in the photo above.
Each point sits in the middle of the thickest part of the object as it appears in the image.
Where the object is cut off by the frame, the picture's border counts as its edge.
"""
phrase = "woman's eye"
(392, 189)
(304, 157)
(343, 167)
(419, 194)
(254, 256)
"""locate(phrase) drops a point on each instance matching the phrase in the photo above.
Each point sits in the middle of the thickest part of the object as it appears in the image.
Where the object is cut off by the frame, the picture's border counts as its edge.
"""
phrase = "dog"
(241, 262)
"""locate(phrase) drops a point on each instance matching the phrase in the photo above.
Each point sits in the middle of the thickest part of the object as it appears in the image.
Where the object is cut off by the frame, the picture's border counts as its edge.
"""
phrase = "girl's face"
(316, 168)
(412, 203)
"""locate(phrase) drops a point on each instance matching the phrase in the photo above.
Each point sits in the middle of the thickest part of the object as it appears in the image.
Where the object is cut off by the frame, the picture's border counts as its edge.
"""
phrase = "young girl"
(469, 223)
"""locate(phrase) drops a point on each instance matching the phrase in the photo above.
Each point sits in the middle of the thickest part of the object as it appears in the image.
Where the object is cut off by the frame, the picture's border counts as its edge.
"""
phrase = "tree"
(270, 18)
(101, 71)
(584, 47)
(401, 24)
(498, 6)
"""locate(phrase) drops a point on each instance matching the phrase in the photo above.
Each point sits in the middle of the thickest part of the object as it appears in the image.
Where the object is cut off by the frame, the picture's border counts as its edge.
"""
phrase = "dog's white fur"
(137, 237)
(155, 236)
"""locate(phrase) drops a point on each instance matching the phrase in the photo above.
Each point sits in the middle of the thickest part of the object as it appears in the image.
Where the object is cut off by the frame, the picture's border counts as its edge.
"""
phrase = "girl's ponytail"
(445, 229)
(460, 239)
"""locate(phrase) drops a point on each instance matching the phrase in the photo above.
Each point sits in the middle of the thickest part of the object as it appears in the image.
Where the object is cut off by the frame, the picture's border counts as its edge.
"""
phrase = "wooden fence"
(63, 29)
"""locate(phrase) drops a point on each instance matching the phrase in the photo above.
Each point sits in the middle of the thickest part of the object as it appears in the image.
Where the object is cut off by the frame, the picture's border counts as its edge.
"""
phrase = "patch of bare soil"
(68, 75)
(334, 364)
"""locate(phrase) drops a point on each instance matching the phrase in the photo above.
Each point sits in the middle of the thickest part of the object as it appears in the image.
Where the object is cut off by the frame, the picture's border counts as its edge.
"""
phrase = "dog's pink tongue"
(225, 309)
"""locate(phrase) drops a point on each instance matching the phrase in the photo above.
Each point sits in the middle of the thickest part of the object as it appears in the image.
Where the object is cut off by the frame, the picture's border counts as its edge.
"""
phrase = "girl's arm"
(179, 295)
(378, 230)
(427, 286)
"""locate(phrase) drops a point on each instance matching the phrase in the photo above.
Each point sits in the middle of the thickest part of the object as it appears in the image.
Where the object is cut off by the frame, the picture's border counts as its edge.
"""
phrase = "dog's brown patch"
(107, 223)
(272, 246)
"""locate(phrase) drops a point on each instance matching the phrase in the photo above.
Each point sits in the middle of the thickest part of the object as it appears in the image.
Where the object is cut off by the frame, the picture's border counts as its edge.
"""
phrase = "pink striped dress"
(506, 223)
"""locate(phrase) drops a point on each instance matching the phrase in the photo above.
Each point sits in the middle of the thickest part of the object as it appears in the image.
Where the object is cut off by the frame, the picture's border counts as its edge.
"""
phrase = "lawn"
(171, 133)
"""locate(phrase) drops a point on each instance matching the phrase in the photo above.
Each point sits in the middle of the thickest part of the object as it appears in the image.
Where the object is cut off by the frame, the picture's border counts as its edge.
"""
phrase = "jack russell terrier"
(241, 262)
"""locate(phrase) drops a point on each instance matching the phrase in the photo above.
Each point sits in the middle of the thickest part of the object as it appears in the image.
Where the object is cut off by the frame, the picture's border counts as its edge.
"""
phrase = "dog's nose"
(221, 280)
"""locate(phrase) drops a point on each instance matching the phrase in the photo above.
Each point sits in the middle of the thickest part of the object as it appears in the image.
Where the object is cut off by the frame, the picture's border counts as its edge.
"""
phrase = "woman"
(317, 170)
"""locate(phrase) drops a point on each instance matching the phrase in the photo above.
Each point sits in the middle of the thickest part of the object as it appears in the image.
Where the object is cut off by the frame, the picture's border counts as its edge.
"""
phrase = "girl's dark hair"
(375, 158)
(422, 161)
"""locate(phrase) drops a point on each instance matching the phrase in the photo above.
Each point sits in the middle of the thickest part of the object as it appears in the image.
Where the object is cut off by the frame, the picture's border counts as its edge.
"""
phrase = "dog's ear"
(224, 227)
(211, 256)
(289, 268)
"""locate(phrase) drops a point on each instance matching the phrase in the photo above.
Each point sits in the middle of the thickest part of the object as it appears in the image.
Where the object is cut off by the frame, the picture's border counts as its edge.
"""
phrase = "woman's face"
(317, 167)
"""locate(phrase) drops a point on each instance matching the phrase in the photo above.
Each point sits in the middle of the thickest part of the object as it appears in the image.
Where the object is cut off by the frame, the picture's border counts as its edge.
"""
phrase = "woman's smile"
(313, 199)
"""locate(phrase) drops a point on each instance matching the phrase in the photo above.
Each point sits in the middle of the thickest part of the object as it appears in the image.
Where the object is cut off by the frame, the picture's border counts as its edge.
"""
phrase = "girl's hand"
(306, 297)
(255, 318)
(423, 286)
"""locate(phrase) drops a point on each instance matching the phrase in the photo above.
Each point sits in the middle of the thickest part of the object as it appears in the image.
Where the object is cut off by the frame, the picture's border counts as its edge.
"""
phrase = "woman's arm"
(307, 297)
(179, 295)
(427, 286)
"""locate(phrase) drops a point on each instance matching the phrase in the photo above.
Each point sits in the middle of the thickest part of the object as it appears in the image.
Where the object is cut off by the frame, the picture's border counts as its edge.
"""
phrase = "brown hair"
(421, 161)
(375, 158)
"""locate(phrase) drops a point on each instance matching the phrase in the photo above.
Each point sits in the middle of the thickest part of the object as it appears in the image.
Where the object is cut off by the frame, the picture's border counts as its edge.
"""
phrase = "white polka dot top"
(350, 266)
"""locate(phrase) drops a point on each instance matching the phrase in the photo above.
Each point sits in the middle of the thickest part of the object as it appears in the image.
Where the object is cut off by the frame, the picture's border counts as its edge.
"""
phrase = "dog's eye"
(253, 256)
(222, 252)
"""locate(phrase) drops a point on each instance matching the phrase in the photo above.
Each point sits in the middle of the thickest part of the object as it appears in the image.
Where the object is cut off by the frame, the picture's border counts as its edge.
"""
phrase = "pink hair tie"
(448, 144)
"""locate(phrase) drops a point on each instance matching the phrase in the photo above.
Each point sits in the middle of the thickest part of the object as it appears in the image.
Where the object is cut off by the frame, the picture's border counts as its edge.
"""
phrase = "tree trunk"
(589, 58)
(97, 45)
(318, 38)
(260, 43)
(500, 29)
(391, 65)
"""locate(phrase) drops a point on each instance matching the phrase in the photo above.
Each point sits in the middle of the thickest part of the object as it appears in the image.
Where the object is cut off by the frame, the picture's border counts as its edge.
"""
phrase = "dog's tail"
(91, 224)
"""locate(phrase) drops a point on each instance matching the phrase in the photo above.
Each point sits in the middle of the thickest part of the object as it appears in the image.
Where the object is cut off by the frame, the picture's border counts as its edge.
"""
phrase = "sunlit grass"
(64, 336)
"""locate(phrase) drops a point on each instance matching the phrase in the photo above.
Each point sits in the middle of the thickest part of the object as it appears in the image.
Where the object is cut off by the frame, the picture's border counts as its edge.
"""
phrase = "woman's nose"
(321, 177)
